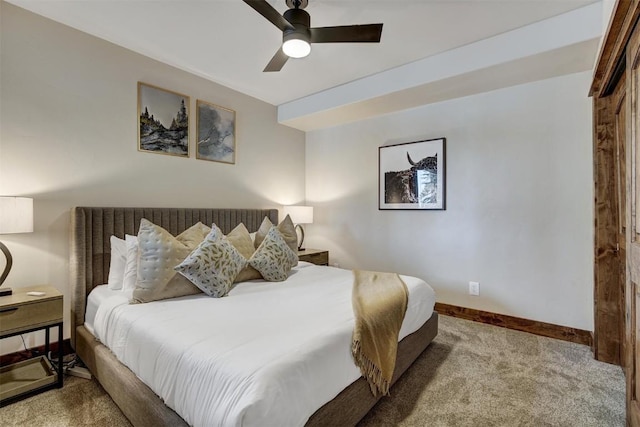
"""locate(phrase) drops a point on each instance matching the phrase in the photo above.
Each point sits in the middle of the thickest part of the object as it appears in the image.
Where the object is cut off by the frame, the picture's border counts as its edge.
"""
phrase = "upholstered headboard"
(92, 228)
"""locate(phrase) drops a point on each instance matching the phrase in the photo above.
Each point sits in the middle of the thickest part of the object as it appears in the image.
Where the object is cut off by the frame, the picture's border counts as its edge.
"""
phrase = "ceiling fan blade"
(266, 10)
(369, 33)
(277, 62)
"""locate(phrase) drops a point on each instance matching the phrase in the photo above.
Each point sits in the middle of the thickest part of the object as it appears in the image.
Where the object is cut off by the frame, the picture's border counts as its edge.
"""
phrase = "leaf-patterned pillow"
(286, 228)
(274, 258)
(213, 265)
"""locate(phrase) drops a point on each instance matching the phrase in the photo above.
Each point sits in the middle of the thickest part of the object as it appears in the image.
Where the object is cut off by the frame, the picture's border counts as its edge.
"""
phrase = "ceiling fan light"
(296, 47)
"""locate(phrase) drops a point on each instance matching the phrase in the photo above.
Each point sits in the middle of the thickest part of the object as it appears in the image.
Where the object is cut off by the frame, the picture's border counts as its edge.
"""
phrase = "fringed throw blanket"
(379, 304)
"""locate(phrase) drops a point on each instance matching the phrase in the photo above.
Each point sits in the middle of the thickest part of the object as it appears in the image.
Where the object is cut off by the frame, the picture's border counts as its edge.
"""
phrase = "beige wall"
(69, 137)
(519, 215)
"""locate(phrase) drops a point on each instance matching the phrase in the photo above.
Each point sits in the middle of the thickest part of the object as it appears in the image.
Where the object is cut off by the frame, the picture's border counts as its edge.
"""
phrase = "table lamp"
(300, 215)
(16, 216)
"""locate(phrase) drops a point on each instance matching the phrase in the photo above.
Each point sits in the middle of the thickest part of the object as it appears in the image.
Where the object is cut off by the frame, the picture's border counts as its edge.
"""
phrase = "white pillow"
(131, 265)
(118, 261)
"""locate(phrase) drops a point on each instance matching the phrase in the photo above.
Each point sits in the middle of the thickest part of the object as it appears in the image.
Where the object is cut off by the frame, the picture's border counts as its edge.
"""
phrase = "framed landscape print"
(216, 133)
(412, 175)
(163, 121)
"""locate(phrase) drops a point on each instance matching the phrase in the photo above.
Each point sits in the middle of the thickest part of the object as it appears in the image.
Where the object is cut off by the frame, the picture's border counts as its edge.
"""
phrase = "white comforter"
(269, 354)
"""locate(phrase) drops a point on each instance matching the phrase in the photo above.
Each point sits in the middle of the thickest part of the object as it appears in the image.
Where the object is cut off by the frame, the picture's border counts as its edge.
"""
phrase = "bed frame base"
(144, 408)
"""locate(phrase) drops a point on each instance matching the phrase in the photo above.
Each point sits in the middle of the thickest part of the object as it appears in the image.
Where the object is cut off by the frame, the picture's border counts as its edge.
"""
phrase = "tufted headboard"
(92, 228)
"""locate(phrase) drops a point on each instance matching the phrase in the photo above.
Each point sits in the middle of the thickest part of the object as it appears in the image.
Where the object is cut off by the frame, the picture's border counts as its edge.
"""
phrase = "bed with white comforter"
(247, 357)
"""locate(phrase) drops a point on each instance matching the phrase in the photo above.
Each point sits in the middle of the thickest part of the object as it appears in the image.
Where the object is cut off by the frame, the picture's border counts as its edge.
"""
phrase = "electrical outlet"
(474, 288)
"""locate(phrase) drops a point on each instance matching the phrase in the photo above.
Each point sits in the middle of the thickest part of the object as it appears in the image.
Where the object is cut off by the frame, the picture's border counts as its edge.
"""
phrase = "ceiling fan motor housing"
(301, 22)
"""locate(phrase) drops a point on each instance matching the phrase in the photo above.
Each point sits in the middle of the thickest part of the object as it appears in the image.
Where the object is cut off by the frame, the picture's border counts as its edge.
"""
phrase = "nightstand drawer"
(19, 312)
(28, 316)
(314, 256)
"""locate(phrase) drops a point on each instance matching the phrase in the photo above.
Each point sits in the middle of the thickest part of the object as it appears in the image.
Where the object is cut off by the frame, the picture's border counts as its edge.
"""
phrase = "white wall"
(519, 200)
(69, 137)
(608, 6)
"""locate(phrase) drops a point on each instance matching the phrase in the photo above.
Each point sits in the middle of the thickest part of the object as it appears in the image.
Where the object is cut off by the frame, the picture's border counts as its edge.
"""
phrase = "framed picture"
(163, 121)
(412, 175)
(216, 133)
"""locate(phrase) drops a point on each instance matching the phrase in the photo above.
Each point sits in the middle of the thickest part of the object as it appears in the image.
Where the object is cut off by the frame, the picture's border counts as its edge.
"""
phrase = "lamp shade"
(16, 215)
(299, 214)
(296, 47)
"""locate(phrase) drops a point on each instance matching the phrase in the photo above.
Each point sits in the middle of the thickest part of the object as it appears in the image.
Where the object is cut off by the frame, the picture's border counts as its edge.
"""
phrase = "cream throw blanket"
(379, 304)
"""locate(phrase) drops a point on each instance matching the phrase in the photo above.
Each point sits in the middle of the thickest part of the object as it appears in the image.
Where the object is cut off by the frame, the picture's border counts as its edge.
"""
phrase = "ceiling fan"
(297, 35)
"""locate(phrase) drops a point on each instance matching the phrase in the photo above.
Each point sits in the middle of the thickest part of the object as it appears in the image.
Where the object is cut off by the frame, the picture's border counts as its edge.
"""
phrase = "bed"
(90, 257)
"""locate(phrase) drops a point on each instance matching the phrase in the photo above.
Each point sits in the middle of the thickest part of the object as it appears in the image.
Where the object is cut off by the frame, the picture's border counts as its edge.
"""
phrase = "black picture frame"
(412, 175)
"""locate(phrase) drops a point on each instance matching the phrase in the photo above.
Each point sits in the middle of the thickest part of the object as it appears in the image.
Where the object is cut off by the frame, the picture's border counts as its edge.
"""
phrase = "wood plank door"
(620, 149)
(632, 297)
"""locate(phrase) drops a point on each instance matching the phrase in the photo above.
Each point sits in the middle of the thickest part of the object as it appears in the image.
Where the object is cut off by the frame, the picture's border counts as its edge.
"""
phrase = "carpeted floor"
(471, 375)
(480, 375)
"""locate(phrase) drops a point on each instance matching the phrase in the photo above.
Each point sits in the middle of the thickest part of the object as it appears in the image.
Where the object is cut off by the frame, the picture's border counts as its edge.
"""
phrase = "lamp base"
(5, 291)
(301, 244)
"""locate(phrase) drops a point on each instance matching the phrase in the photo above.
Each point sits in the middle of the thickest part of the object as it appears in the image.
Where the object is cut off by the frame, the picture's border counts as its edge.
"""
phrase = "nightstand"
(21, 313)
(315, 256)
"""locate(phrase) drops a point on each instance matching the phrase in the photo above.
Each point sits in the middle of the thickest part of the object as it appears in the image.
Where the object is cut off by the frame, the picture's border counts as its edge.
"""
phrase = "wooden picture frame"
(163, 121)
(412, 175)
(215, 133)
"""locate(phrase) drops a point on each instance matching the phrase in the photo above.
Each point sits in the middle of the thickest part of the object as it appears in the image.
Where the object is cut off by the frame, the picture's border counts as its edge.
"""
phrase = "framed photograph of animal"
(163, 121)
(216, 133)
(412, 175)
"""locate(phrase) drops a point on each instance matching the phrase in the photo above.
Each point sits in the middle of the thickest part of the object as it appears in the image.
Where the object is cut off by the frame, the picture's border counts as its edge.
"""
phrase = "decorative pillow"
(194, 235)
(240, 238)
(214, 264)
(158, 253)
(118, 262)
(286, 228)
(131, 264)
(274, 258)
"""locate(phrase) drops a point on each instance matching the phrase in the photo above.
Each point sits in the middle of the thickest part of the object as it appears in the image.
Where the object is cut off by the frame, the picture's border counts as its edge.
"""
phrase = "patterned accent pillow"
(214, 264)
(286, 228)
(274, 258)
(240, 238)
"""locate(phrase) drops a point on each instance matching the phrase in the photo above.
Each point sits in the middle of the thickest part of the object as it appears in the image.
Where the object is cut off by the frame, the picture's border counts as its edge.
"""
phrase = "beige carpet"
(481, 375)
(471, 375)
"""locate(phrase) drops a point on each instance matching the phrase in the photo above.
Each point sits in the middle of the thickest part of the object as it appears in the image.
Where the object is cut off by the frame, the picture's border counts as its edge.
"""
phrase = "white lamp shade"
(16, 215)
(299, 214)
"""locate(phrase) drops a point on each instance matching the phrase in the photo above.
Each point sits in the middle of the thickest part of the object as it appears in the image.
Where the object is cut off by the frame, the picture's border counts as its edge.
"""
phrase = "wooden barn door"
(620, 149)
(616, 91)
(632, 295)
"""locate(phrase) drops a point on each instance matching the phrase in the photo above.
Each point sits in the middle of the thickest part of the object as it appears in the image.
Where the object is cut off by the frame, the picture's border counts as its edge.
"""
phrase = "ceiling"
(227, 42)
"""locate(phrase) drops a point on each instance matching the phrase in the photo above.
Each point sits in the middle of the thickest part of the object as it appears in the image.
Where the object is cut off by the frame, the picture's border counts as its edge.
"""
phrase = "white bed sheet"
(97, 296)
(269, 354)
